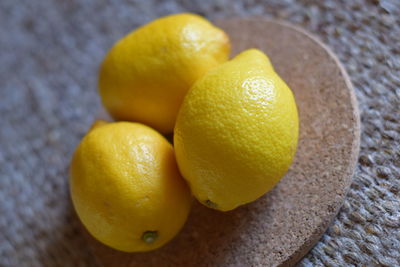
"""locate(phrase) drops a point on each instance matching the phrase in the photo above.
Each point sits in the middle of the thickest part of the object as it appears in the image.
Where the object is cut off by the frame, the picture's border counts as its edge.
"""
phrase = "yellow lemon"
(145, 76)
(236, 132)
(126, 188)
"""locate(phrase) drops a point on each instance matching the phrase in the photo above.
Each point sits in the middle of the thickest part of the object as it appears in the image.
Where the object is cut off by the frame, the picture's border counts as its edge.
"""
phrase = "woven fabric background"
(49, 55)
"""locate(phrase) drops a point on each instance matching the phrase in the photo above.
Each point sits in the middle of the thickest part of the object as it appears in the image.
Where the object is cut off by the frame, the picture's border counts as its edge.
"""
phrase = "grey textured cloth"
(49, 55)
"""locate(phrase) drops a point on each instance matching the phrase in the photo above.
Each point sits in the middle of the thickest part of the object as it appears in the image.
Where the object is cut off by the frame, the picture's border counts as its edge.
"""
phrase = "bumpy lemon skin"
(236, 133)
(146, 74)
(125, 184)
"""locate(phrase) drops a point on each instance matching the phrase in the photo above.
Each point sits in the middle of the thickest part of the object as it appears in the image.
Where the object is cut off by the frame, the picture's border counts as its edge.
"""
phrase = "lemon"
(236, 132)
(146, 74)
(126, 188)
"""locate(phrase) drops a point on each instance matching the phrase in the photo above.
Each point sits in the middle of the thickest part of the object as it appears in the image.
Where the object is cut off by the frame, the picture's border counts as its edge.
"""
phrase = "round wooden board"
(279, 228)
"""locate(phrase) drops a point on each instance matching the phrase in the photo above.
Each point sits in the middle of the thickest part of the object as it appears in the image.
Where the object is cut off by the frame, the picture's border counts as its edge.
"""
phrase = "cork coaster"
(279, 228)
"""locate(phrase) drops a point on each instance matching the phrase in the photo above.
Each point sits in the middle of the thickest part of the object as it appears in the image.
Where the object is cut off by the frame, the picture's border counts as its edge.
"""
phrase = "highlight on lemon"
(236, 132)
(146, 74)
(126, 187)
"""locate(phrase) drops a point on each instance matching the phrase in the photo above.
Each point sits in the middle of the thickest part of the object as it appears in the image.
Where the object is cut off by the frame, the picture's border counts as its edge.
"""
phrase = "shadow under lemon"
(205, 230)
(67, 246)
(204, 238)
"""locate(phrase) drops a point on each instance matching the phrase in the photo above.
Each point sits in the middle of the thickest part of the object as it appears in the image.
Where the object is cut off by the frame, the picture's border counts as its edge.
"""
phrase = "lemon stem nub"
(211, 204)
(150, 236)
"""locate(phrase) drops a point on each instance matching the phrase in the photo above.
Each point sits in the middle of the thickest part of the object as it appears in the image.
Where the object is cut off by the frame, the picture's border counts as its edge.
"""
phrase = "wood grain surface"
(279, 228)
